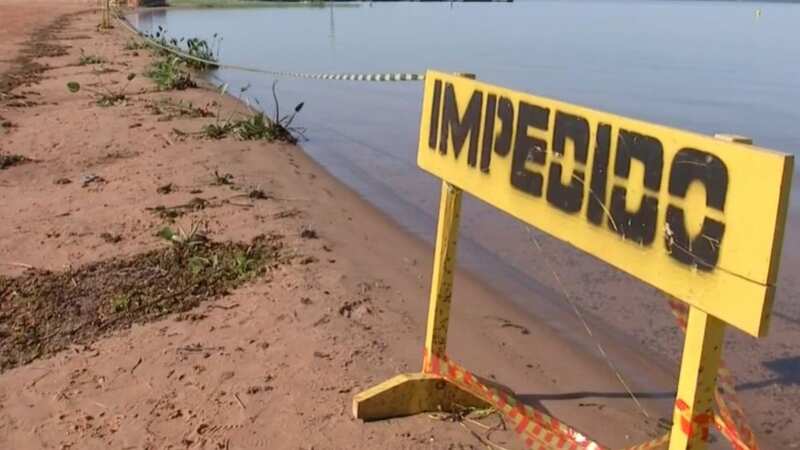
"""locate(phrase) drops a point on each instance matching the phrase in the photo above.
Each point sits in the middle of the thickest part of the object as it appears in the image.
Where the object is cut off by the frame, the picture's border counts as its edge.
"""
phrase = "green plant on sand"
(135, 44)
(201, 49)
(182, 238)
(49, 311)
(169, 75)
(107, 96)
(7, 161)
(256, 125)
(171, 108)
(86, 60)
(120, 302)
(203, 54)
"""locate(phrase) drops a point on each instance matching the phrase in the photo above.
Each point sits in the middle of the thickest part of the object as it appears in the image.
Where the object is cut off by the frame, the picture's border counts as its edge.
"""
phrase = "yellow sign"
(699, 218)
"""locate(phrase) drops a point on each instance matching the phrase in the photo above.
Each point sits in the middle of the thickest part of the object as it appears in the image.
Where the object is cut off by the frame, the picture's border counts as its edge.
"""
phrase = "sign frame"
(693, 414)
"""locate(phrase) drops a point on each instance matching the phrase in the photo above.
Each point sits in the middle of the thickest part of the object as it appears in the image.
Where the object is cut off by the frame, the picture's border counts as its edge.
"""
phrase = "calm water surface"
(704, 66)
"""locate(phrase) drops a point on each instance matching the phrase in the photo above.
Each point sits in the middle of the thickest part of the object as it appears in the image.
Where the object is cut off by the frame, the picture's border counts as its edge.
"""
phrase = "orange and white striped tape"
(697, 424)
(537, 429)
(540, 431)
(657, 443)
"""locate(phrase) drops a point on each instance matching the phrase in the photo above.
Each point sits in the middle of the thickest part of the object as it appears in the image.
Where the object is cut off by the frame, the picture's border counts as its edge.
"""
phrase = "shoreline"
(358, 348)
(371, 246)
(556, 316)
(766, 368)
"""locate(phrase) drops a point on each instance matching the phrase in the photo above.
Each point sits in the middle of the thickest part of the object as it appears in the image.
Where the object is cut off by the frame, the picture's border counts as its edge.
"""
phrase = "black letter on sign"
(505, 111)
(469, 123)
(527, 148)
(488, 133)
(568, 197)
(433, 133)
(690, 165)
(639, 226)
(597, 186)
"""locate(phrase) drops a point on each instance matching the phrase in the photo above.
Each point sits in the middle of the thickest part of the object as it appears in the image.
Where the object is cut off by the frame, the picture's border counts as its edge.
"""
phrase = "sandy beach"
(341, 305)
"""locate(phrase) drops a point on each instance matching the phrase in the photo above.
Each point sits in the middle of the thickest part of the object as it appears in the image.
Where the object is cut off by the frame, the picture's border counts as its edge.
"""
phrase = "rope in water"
(312, 76)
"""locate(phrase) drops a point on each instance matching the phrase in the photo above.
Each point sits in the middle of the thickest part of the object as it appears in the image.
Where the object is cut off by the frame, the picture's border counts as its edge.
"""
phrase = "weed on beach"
(203, 55)
(107, 96)
(169, 75)
(169, 108)
(201, 49)
(43, 312)
(249, 128)
(135, 44)
(222, 179)
(255, 126)
(7, 161)
(6, 125)
(217, 130)
(171, 213)
(86, 60)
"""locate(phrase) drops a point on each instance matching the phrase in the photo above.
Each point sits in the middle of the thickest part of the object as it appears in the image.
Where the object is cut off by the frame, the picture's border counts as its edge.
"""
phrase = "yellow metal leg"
(409, 394)
(694, 412)
(444, 261)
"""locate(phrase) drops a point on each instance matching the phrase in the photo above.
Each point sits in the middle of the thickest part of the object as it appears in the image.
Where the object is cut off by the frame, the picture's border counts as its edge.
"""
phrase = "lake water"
(704, 66)
(710, 67)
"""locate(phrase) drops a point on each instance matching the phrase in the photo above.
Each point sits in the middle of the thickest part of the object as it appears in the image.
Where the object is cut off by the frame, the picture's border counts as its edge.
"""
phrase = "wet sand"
(279, 360)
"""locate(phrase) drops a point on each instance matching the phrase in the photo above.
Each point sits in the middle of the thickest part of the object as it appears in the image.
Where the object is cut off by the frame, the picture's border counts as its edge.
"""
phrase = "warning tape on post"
(691, 425)
(656, 443)
(538, 430)
(731, 420)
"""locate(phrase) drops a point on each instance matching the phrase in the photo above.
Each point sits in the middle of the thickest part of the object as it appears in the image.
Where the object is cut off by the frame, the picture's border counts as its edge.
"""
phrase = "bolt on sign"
(694, 216)
(699, 218)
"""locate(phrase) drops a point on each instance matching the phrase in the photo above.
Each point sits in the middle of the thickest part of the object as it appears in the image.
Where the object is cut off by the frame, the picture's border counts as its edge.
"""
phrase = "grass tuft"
(43, 312)
(7, 161)
(256, 126)
(120, 302)
(135, 44)
(169, 108)
(107, 96)
(196, 47)
(86, 60)
(169, 75)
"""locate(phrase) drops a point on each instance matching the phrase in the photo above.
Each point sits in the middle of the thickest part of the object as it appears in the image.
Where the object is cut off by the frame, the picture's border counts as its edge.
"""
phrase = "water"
(705, 66)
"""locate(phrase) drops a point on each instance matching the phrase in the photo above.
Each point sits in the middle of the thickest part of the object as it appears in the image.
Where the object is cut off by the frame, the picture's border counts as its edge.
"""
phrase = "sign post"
(699, 218)
(444, 262)
(694, 412)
